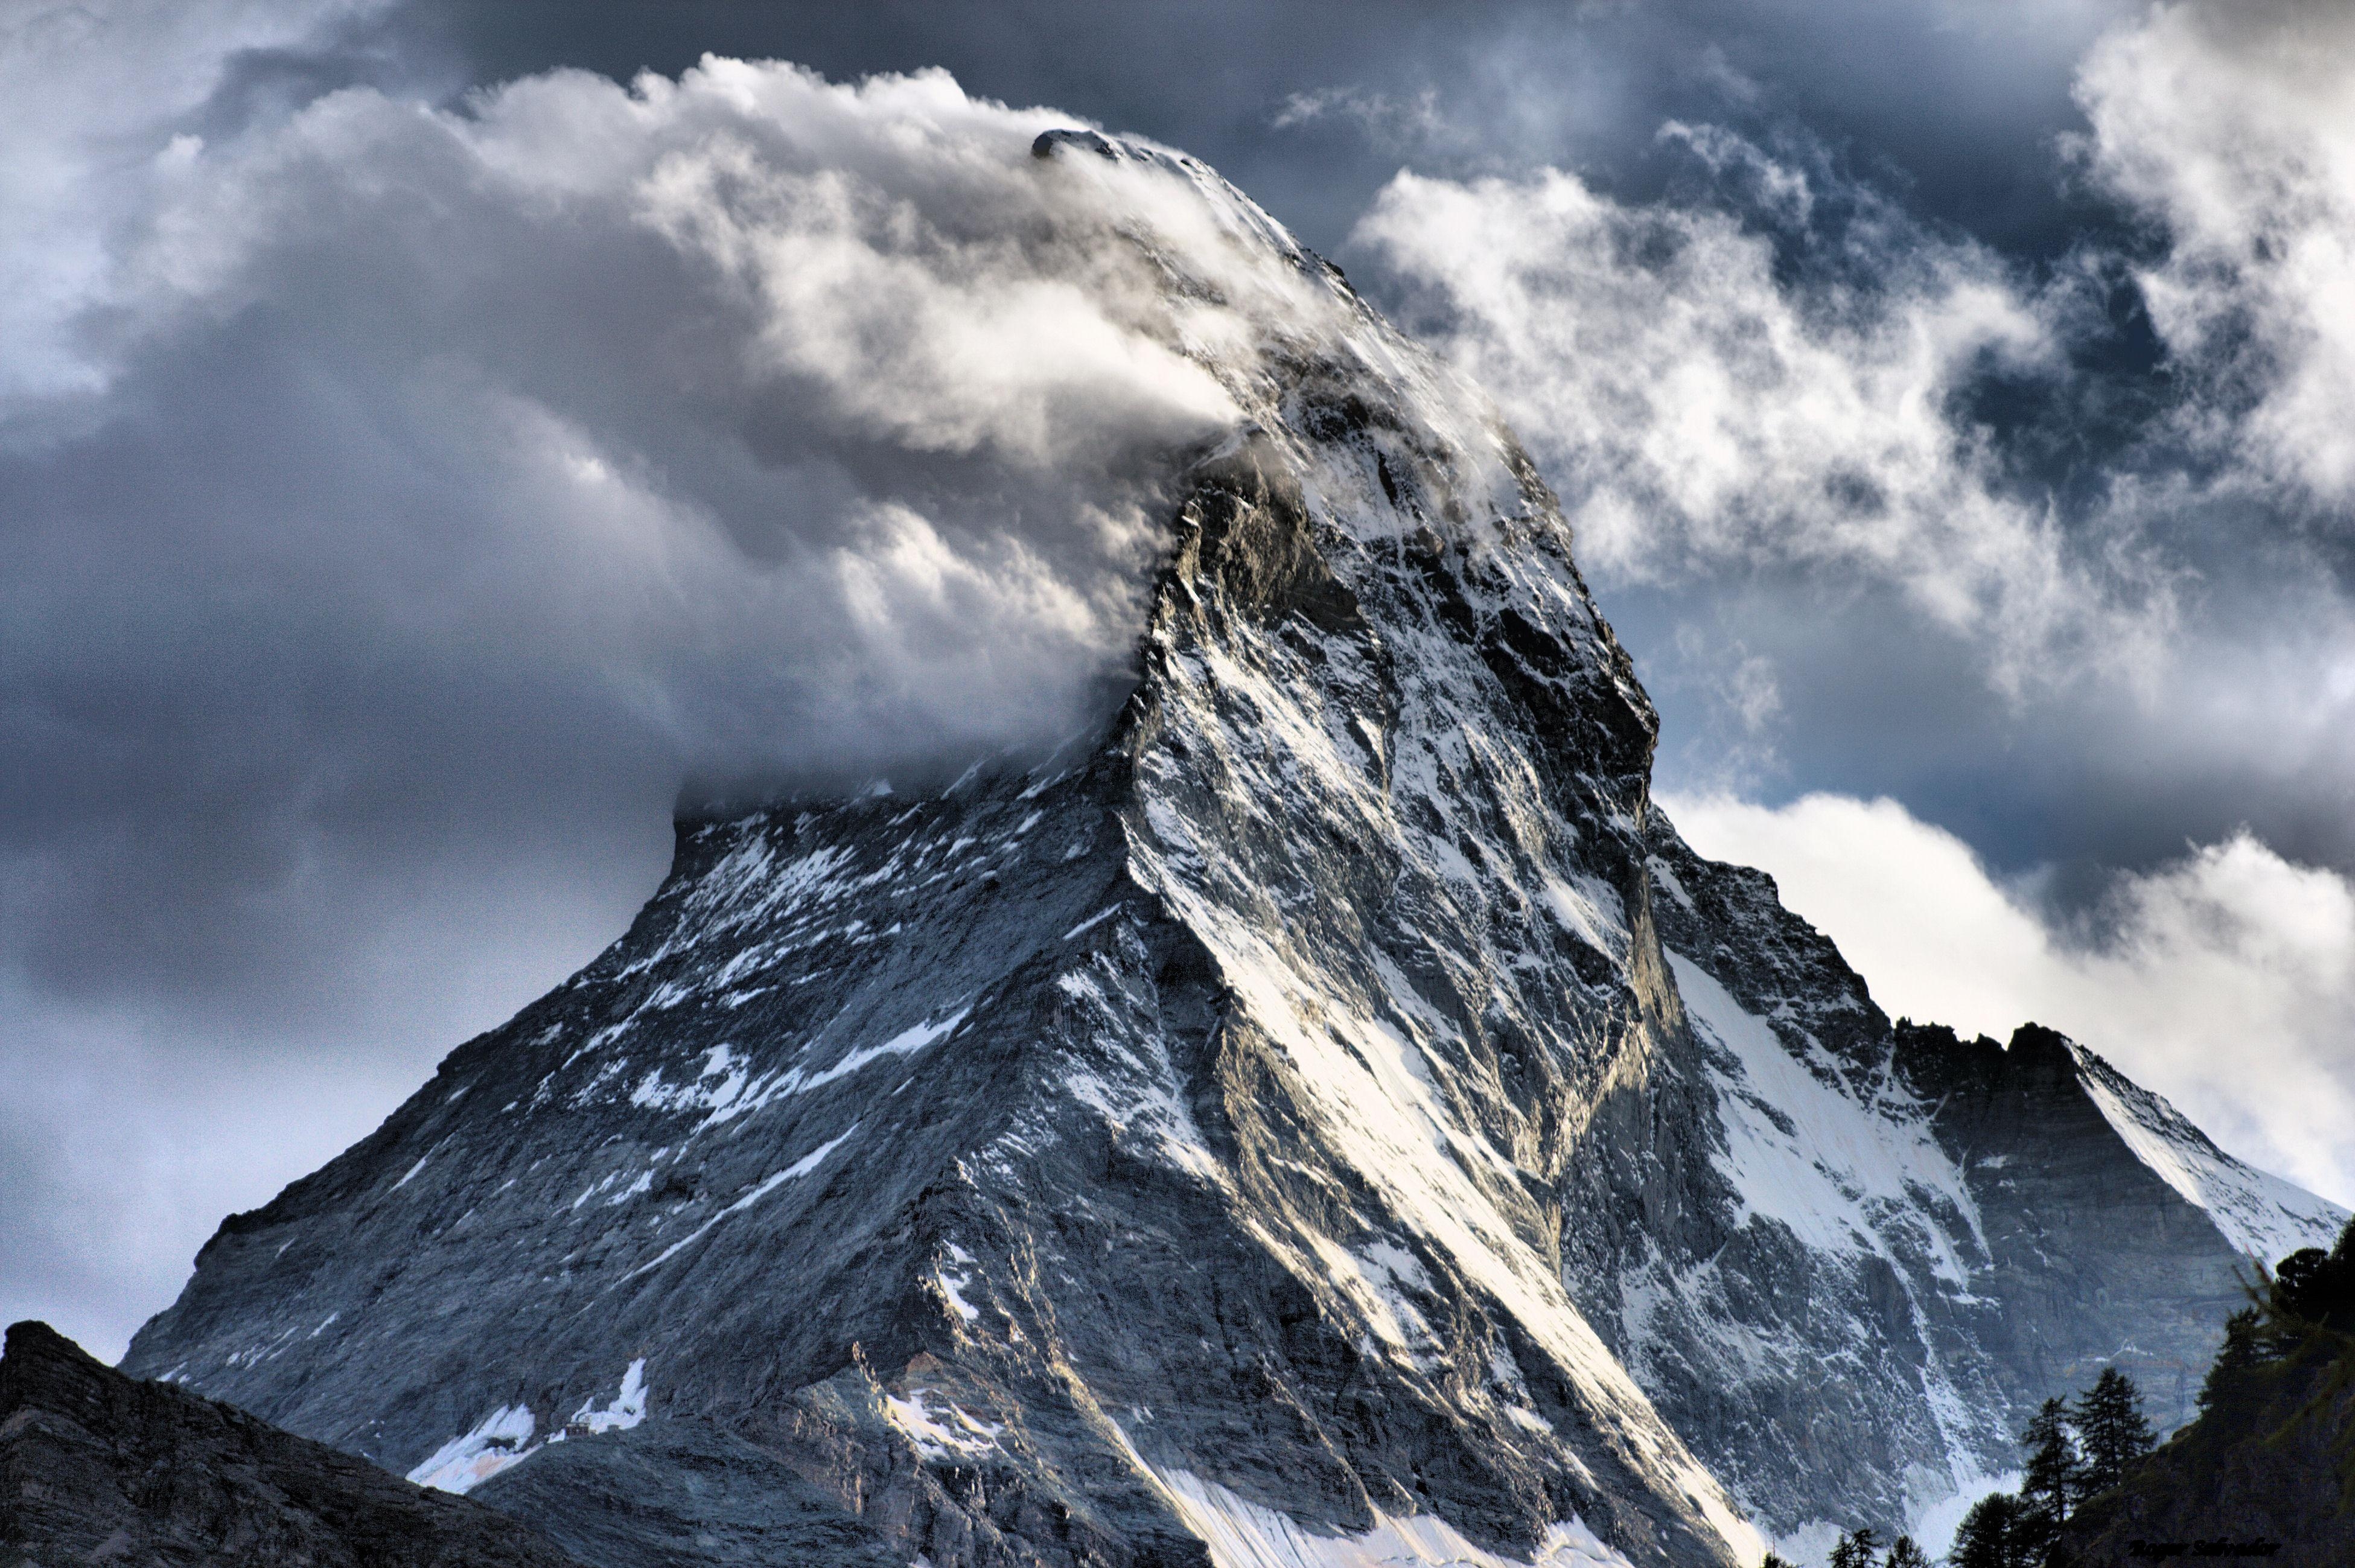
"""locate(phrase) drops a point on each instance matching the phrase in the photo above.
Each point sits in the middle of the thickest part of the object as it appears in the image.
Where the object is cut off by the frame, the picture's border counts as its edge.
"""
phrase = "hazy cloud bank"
(1834, 461)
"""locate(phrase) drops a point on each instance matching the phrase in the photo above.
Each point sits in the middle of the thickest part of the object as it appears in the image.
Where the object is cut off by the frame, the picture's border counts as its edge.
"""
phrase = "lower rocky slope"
(2268, 1477)
(2267, 1471)
(1936, 1233)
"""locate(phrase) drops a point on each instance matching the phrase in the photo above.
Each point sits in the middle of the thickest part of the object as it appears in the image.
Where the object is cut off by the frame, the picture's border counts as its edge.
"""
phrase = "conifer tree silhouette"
(1856, 1549)
(2112, 1429)
(2054, 1472)
(1991, 1535)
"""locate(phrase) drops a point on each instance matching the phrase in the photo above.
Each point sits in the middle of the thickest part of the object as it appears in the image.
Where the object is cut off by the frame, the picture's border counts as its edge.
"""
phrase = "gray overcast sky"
(1950, 398)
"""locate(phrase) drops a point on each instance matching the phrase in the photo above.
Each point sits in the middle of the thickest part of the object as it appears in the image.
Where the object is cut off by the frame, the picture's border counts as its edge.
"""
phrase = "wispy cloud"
(2227, 128)
(1395, 121)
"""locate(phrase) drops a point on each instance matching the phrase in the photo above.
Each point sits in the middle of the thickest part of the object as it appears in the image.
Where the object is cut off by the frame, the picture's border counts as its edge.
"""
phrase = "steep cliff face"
(1325, 1114)
(2120, 1236)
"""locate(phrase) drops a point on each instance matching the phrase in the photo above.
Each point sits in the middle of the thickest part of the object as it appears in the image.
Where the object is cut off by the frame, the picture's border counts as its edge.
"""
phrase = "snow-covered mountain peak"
(1326, 1115)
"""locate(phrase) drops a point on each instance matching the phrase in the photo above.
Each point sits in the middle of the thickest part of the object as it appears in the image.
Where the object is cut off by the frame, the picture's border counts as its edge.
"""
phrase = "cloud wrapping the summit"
(744, 426)
(400, 500)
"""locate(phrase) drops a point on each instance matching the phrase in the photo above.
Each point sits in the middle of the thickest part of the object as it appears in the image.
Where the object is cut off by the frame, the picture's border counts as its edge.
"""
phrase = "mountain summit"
(1326, 1115)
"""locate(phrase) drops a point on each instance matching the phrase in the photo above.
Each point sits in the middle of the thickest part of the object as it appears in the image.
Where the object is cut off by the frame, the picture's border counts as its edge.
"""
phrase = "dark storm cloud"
(401, 502)
(440, 454)
(1957, 102)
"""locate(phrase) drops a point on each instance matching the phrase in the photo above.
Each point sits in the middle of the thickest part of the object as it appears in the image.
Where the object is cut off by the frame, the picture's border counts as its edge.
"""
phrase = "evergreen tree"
(2311, 1288)
(1776, 1559)
(2054, 1479)
(2242, 1348)
(1856, 1549)
(2111, 1426)
(1904, 1553)
(1991, 1535)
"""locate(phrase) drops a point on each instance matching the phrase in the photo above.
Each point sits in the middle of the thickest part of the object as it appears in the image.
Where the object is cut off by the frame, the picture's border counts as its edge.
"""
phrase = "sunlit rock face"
(1325, 1113)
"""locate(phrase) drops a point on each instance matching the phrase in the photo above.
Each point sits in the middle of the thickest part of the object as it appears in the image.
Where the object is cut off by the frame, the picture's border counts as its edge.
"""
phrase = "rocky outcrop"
(1932, 1235)
(2094, 1260)
(98, 1468)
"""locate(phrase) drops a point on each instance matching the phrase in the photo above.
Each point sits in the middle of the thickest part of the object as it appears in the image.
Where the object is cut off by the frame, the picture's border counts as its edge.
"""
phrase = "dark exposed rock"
(2097, 1260)
(1049, 142)
(98, 1468)
(2017, 1237)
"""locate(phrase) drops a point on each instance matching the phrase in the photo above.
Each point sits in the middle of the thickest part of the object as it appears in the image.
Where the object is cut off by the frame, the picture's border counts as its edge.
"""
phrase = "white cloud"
(2225, 980)
(1703, 414)
(2227, 127)
(825, 426)
(1389, 120)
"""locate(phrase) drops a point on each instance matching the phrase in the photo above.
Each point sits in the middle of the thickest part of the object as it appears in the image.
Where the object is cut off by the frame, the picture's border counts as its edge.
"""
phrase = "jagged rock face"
(1327, 1113)
(98, 1468)
(1936, 1235)
(2097, 1260)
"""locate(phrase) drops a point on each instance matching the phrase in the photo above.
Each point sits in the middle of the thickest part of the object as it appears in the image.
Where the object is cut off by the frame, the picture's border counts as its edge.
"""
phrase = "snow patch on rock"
(1242, 1534)
(499, 1440)
(1802, 1150)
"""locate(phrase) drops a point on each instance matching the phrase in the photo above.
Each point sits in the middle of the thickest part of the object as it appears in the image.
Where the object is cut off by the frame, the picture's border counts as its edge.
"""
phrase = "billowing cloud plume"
(1705, 412)
(2224, 979)
(741, 425)
(400, 500)
(1836, 465)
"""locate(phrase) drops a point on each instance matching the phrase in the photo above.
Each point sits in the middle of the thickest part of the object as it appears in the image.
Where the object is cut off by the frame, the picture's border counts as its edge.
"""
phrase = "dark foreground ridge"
(2267, 1472)
(98, 1468)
